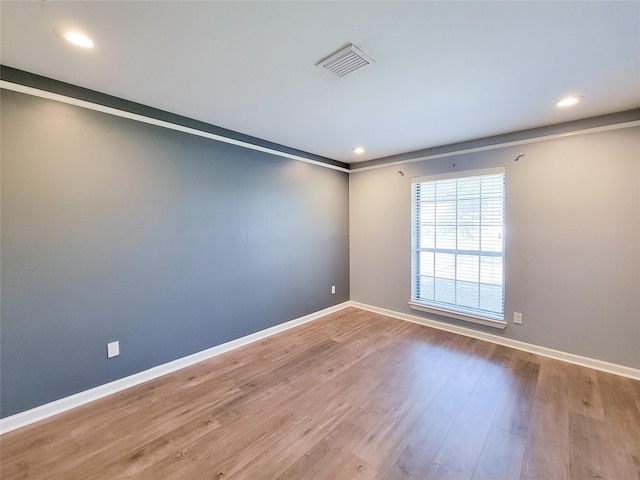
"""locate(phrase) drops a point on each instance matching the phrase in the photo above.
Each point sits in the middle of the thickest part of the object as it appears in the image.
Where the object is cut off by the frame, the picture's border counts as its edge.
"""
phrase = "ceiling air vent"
(346, 61)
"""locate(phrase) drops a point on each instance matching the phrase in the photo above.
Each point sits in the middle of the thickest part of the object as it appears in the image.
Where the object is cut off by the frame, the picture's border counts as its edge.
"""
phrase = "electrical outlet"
(517, 318)
(113, 349)
(333, 289)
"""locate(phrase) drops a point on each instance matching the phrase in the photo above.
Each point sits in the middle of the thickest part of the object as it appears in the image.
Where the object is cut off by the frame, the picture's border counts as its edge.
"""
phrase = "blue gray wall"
(572, 240)
(167, 242)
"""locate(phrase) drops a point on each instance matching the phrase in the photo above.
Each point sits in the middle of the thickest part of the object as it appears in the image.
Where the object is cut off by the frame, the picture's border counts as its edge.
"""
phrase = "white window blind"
(458, 244)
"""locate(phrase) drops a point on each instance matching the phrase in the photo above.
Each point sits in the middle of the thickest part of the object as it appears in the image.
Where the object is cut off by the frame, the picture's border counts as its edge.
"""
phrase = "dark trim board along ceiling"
(27, 79)
(622, 119)
(32, 80)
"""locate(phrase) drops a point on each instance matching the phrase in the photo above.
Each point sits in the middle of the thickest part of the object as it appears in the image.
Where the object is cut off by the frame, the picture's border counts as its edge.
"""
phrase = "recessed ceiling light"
(358, 150)
(568, 101)
(79, 39)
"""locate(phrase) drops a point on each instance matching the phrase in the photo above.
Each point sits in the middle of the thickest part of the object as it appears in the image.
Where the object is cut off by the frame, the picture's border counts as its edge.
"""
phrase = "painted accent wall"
(170, 243)
(572, 241)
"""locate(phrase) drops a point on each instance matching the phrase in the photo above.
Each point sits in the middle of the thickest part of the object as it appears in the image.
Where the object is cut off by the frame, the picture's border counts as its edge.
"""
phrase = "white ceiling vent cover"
(346, 61)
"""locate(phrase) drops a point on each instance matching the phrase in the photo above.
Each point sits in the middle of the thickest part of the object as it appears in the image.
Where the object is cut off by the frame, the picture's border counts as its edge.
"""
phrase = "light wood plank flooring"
(354, 395)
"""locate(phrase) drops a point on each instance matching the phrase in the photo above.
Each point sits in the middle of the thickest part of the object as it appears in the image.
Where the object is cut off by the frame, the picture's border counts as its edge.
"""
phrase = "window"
(458, 246)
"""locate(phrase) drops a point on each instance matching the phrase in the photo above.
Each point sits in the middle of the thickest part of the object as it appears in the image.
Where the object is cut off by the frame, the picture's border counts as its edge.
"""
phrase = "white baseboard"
(47, 410)
(596, 364)
(42, 412)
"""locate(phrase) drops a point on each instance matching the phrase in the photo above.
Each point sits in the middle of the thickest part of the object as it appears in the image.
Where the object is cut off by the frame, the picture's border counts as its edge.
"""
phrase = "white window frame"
(460, 313)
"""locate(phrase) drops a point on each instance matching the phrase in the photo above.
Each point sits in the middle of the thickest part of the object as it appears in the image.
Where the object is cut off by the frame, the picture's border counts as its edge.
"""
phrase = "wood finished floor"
(354, 395)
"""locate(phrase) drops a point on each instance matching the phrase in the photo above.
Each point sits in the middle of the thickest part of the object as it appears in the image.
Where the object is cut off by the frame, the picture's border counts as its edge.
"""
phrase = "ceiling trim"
(626, 119)
(141, 113)
(153, 116)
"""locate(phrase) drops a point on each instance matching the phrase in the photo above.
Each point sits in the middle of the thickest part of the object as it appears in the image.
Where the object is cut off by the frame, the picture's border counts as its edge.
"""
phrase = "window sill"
(488, 322)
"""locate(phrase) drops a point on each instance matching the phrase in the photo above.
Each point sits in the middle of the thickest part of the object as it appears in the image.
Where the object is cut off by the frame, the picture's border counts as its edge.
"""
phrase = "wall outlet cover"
(113, 349)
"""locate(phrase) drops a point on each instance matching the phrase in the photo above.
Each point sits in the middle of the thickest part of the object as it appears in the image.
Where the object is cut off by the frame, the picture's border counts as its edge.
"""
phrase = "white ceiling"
(445, 72)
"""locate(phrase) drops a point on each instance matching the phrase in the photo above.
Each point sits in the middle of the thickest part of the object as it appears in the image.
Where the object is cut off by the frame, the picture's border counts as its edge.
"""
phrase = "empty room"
(375, 240)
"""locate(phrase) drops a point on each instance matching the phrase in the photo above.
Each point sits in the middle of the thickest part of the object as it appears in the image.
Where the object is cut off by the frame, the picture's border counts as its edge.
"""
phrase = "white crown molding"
(47, 410)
